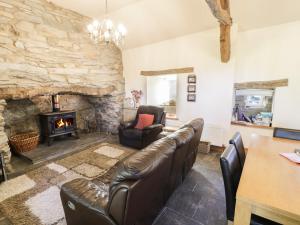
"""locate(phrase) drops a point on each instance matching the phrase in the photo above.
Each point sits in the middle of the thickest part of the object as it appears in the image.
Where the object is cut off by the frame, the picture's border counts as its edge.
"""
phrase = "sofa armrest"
(154, 126)
(126, 125)
(150, 133)
(118, 200)
(85, 202)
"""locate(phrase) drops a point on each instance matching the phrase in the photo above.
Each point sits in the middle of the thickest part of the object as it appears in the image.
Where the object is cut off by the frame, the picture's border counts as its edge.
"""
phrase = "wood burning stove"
(57, 123)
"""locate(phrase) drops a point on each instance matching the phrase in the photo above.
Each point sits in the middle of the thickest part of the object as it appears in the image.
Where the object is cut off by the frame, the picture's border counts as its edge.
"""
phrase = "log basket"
(24, 142)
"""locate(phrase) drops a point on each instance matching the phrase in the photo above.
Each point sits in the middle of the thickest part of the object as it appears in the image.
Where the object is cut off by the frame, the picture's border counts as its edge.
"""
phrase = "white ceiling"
(92, 8)
(150, 21)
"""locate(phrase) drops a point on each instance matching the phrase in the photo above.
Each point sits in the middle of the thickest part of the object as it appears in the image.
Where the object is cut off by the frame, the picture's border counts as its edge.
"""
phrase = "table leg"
(242, 214)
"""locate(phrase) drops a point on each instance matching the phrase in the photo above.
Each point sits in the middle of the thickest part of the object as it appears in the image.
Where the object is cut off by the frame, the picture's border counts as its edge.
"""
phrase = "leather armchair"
(136, 138)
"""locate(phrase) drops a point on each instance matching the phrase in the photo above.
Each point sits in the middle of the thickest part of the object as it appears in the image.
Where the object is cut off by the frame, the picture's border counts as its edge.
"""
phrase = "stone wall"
(105, 115)
(3, 138)
(45, 49)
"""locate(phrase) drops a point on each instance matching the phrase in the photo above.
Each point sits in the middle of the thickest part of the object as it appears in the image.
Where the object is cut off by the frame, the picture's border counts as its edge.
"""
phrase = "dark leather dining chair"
(231, 171)
(287, 133)
(237, 141)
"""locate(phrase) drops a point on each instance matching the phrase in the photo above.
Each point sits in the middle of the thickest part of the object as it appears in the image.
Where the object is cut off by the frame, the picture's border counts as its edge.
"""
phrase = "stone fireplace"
(44, 51)
(93, 113)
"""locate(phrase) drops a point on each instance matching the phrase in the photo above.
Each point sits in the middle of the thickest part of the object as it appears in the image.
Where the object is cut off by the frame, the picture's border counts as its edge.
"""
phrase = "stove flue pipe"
(55, 103)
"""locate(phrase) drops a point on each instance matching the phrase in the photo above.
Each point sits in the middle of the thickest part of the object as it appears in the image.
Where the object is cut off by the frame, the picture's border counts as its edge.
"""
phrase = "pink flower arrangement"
(136, 95)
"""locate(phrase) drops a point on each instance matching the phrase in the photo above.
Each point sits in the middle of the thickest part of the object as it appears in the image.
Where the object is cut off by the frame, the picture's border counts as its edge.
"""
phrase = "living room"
(149, 112)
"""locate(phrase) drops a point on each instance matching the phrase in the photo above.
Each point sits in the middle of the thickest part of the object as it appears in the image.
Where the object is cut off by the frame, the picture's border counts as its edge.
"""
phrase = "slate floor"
(200, 200)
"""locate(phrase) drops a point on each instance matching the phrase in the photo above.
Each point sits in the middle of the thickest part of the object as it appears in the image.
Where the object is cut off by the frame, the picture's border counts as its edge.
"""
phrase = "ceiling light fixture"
(106, 31)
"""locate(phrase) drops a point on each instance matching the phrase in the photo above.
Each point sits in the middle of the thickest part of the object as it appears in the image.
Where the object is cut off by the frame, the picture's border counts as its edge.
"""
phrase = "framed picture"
(191, 97)
(191, 88)
(192, 79)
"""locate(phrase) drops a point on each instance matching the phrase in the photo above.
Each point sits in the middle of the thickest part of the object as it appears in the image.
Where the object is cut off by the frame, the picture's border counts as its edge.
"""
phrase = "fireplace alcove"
(23, 115)
(97, 114)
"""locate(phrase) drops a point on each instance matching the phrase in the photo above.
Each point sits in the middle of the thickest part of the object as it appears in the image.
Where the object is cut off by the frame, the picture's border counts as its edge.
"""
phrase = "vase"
(136, 105)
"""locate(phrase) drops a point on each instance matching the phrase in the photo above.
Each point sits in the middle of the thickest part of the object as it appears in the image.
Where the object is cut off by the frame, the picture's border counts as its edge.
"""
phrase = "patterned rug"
(33, 198)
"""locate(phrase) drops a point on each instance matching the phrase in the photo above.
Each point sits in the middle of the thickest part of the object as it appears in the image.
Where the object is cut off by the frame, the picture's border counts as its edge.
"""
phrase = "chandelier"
(106, 31)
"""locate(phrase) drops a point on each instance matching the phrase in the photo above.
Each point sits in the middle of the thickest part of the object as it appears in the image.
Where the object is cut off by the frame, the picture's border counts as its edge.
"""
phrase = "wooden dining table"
(270, 184)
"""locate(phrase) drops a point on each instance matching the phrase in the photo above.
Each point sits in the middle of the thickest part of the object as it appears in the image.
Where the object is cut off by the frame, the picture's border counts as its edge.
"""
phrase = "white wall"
(269, 54)
(263, 54)
(214, 79)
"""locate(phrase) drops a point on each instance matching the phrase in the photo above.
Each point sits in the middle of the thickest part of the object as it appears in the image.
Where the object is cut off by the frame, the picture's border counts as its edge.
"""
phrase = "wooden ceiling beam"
(272, 84)
(168, 71)
(221, 10)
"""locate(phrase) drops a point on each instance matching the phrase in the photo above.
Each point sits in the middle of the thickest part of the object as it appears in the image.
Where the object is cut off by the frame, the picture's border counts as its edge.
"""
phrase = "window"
(162, 91)
(255, 101)
(253, 106)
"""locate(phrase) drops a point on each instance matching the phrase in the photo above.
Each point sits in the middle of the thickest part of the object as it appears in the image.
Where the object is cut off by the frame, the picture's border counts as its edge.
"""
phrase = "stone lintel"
(272, 84)
(29, 92)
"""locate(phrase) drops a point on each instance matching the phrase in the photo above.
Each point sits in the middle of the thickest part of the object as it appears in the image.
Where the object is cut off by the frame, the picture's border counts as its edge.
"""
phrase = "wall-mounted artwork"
(191, 97)
(191, 88)
(192, 79)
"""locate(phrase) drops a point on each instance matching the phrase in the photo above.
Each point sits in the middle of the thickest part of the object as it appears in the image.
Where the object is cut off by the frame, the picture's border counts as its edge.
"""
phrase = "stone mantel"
(16, 93)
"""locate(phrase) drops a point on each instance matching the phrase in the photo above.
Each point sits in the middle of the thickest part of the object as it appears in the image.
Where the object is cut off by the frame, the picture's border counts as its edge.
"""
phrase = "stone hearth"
(45, 50)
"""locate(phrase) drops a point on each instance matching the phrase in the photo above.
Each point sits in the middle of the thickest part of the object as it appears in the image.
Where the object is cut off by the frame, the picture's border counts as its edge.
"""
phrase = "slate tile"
(170, 217)
(184, 202)
(200, 199)
(211, 212)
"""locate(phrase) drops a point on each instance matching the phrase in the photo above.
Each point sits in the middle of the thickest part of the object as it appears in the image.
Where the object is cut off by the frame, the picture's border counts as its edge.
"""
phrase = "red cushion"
(144, 120)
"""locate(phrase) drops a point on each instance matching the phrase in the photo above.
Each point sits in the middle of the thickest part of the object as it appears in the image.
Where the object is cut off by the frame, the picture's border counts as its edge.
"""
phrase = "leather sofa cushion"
(182, 136)
(196, 124)
(165, 146)
(144, 162)
(144, 120)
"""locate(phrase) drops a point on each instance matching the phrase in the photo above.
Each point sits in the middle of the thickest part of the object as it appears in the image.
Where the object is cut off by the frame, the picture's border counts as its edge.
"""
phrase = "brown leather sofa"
(140, 186)
(197, 125)
(183, 139)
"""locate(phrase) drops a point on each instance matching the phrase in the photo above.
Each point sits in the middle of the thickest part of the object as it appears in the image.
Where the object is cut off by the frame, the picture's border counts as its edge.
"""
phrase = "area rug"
(19, 184)
(33, 198)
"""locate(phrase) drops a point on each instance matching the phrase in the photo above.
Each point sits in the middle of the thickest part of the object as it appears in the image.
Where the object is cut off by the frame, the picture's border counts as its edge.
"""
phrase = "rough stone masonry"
(45, 49)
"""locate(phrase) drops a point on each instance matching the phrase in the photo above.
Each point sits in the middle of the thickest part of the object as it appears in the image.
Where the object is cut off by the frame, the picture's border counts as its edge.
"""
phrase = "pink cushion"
(144, 120)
